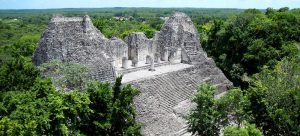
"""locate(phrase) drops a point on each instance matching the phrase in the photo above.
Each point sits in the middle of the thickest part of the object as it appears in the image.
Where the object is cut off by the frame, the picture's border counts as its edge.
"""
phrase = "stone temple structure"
(166, 69)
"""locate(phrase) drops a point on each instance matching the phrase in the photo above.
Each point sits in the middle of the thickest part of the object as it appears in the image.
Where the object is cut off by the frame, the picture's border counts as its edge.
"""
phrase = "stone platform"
(144, 74)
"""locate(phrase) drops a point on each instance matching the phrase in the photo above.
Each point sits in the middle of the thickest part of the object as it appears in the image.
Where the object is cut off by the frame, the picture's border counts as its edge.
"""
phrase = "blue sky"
(44, 4)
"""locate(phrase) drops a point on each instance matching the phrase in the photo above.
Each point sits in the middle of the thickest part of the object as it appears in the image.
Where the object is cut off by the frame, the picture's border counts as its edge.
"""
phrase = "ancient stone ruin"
(166, 69)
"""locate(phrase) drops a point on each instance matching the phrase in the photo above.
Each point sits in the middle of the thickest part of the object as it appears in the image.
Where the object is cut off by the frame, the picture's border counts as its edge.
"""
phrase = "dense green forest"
(258, 50)
(260, 53)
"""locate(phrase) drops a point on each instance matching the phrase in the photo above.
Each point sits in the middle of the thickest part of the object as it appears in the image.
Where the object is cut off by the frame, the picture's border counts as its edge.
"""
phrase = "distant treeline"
(14, 24)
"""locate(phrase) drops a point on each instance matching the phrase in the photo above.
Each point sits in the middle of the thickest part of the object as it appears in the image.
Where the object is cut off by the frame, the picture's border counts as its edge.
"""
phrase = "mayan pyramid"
(166, 69)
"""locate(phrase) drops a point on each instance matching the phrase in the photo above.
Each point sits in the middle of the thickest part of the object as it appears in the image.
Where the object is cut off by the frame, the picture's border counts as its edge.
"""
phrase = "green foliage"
(212, 114)
(67, 76)
(17, 74)
(233, 103)
(123, 114)
(20, 33)
(271, 103)
(244, 44)
(275, 98)
(121, 28)
(42, 110)
(101, 97)
(207, 118)
(248, 130)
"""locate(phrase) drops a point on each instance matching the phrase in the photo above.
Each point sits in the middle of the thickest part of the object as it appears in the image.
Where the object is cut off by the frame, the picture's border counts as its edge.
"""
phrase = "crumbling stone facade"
(139, 46)
(76, 40)
(117, 49)
(166, 69)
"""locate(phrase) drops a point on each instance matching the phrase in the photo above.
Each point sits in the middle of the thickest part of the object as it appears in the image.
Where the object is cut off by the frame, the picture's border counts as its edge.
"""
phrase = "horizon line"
(137, 7)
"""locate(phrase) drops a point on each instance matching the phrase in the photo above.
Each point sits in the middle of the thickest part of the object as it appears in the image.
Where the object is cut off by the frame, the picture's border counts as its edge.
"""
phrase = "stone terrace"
(162, 94)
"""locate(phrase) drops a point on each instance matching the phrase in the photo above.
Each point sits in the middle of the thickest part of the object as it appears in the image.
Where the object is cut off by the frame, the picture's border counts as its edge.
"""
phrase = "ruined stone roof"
(180, 32)
(179, 19)
(76, 40)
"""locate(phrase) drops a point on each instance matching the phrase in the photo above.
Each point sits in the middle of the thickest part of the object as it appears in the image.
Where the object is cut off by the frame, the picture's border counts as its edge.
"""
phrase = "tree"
(17, 74)
(66, 76)
(206, 119)
(244, 44)
(43, 110)
(99, 122)
(247, 130)
(274, 98)
(123, 113)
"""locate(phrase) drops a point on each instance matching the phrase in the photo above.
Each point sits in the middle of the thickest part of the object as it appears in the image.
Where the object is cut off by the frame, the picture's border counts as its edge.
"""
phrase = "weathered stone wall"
(139, 46)
(117, 49)
(178, 32)
(75, 40)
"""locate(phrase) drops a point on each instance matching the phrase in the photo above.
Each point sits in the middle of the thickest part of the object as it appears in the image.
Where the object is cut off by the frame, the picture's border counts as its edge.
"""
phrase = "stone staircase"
(182, 132)
(168, 90)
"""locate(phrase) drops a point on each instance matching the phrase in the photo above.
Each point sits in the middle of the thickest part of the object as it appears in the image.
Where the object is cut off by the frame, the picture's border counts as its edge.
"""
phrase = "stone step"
(174, 91)
(177, 86)
(182, 131)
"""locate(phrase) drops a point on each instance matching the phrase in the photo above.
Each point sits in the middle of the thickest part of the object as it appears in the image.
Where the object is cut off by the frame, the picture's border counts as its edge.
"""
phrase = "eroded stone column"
(148, 61)
(157, 58)
(165, 55)
(151, 64)
(135, 62)
(129, 62)
(125, 63)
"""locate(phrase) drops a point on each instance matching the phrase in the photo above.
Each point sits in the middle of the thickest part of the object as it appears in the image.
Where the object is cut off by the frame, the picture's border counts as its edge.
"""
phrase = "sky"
(243, 4)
